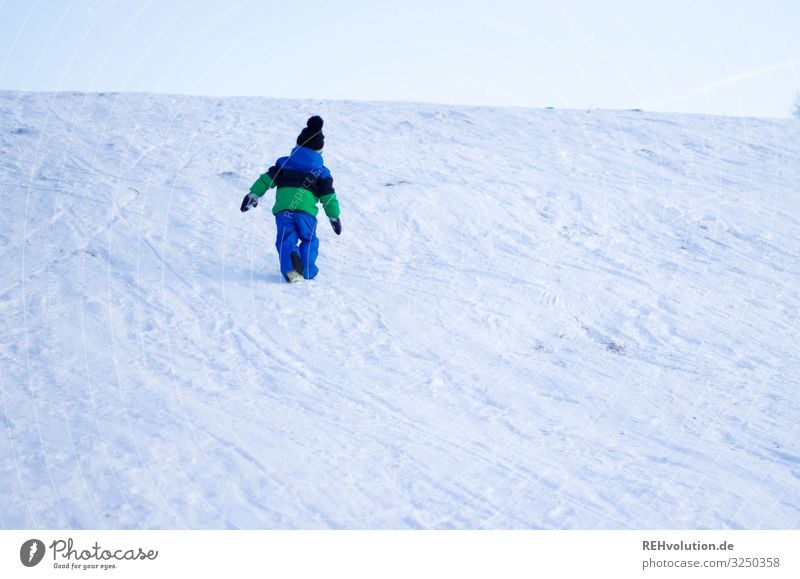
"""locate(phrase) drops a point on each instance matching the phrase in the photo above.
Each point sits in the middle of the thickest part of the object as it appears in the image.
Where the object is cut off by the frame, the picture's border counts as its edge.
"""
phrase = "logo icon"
(31, 553)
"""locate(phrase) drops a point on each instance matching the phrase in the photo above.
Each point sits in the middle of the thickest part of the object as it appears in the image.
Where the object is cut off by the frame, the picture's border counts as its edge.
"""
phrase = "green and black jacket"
(302, 182)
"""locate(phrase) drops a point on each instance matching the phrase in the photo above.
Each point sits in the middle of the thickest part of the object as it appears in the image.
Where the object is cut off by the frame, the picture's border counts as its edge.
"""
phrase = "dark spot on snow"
(22, 131)
(228, 174)
(615, 348)
(392, 184)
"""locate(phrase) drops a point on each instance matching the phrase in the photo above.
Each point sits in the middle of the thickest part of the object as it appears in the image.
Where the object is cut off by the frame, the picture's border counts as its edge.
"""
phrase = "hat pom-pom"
(315, 123)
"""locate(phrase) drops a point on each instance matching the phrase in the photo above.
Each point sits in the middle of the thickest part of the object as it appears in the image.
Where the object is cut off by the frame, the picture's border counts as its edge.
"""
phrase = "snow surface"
(533, 319)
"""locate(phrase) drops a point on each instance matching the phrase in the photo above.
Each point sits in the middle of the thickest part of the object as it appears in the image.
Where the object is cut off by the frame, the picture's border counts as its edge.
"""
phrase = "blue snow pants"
(297, 227)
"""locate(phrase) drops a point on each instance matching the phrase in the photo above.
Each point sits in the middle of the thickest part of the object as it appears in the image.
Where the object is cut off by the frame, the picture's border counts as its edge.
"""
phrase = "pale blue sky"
(732, 57)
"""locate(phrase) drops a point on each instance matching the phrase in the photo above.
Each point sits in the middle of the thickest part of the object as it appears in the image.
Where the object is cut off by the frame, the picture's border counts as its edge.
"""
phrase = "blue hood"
(304, 160)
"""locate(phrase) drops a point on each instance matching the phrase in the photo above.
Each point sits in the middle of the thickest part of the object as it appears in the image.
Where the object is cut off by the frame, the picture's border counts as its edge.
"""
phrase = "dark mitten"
(249, 202)
(337, 226)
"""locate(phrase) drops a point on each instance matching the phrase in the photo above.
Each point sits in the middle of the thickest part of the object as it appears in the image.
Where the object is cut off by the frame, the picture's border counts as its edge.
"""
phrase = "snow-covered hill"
(533, 319)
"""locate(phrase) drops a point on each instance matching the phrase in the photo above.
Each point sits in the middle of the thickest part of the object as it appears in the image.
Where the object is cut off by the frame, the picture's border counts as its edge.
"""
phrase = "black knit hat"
(312, 136)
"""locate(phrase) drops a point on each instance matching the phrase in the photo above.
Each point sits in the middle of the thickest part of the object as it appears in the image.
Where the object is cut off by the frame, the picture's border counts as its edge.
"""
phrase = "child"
(302, 181)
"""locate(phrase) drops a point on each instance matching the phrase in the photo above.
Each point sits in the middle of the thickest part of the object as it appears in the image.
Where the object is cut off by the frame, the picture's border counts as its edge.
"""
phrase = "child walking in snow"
(302, 181)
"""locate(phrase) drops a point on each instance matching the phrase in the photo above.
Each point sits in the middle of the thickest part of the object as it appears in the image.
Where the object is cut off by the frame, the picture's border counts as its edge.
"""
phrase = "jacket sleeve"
(327, 195)
(267, 180)
(262, 185)
(331, 205)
